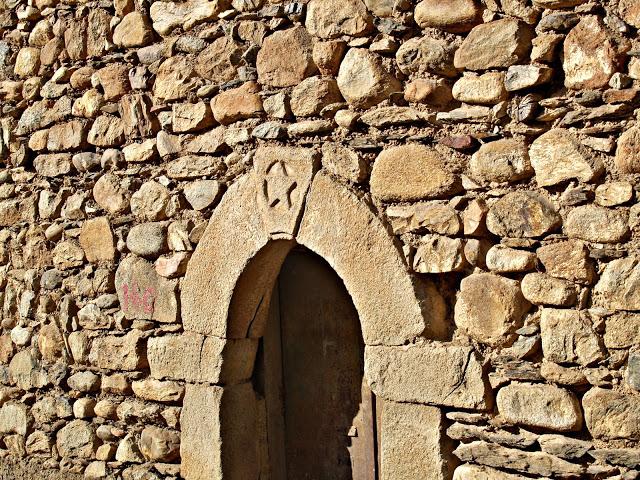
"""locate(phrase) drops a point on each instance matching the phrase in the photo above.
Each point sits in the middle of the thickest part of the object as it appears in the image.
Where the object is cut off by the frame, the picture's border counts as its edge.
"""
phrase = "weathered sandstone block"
(537, 405)
(196, 358)
(460, 384)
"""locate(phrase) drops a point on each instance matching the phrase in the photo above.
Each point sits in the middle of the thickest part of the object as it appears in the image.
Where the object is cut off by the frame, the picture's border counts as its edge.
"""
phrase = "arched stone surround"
(225, 296)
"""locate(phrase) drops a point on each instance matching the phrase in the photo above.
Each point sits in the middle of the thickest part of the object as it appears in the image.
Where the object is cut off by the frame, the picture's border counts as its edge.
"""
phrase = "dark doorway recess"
(319, 416)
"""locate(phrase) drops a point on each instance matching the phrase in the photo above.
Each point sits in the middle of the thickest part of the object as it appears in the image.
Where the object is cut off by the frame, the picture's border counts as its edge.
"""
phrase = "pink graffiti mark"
(137, 299)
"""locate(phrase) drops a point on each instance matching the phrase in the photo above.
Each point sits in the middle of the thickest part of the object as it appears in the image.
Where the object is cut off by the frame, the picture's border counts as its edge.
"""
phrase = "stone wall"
(494, 142)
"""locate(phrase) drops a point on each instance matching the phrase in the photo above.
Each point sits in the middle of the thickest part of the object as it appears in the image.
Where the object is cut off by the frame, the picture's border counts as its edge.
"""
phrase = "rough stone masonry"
(495, 142)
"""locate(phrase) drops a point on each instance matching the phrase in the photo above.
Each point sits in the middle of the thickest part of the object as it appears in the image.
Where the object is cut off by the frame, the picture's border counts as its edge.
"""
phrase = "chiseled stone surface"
(412, 446)
(396, 174)
(558, 155)
(611, 415)
(196, 358)
(496, 44)
(523, 214)
(460, 384)
(569, 337)
(489, 308)
(538, 405)
(218, 426)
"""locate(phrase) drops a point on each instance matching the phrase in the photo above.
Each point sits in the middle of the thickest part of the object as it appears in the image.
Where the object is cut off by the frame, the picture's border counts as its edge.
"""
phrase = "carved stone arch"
(225, 296)
(251, 232)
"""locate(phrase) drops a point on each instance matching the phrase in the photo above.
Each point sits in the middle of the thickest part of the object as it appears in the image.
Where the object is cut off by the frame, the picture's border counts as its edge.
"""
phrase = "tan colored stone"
(114, 79)
(614, 193)
(344, 162)
(399, 174)
(67, 255)
(522, 214)
(630, 12)
(134, 30)
(110, 195)
(555, 373)
(159, 444)
(429, 91)
(175, 78)
(285, 58)
(505, 160)
(362, 79)
(412, 442)
(593, 223)
(439, 254)
(106, 131)
(622, 330)
(220, 60)
(96, 239)
(77, 439)
(88, 106)
(150, 201)
(568, 337)
(158, 391)
(432, 217)
(138, 120)
(167, 16)
(125, 352)
(558, 155)
(627, 157)
(189, 117)
(53, 165)
(218, 426)
(328, 55)
(502, 259)
(310, 96)
(27, 62)
(426, 54)
(568, 259)
(452, 15)
(591, 54)
(334, 18)
(140, 152)
(541, 406)
(610, 415)
(196, 358)
(618, 285)
(543, 289)
(489, 308)
(193, 166)
(237, 104)
(496, 44)
(441, 374)
(143, 294)
(485, 89)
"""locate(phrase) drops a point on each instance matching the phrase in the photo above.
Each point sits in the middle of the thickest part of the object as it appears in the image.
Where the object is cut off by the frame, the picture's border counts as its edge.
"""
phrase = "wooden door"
(320, 414)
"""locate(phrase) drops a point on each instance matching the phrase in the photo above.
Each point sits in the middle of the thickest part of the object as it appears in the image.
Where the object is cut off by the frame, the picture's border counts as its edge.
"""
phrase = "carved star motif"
(279, 186)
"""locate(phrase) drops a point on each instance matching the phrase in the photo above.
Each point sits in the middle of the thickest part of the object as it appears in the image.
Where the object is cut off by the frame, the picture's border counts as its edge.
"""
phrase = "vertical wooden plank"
(363, 438)
(323, 364)
(274, 390)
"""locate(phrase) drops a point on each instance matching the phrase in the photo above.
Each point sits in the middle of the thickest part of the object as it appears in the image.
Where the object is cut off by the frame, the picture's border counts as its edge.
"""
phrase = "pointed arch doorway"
(318, 414)
(225, 303)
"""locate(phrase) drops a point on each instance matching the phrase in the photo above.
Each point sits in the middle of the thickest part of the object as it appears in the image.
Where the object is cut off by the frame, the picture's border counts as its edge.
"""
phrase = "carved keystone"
(283, 178)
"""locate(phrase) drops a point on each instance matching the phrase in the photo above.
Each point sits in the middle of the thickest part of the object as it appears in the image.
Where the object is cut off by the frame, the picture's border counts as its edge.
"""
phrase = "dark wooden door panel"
(320, 412)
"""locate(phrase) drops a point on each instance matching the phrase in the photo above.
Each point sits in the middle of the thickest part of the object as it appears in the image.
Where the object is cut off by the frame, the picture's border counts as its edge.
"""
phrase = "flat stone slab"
(431, 373)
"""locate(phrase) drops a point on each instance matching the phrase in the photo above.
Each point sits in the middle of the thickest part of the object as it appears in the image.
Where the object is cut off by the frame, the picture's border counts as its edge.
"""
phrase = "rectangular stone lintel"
(202, 359)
